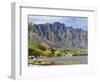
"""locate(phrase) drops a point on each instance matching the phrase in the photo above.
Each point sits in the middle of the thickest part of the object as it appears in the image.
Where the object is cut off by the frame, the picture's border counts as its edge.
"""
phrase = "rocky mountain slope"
(59, 35)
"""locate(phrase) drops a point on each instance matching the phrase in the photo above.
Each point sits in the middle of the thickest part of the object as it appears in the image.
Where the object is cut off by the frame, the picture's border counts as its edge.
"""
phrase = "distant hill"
(58, 35)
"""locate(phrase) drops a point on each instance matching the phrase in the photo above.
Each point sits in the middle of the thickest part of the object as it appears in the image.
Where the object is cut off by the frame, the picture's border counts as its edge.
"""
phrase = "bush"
(37, 51)
(41, 47)
(76, 54)
(47, 53)
(34, 50)
(30, 51)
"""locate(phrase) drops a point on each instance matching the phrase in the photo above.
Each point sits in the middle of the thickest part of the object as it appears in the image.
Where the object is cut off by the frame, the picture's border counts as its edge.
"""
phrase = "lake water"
(79, 58)
(66, 60)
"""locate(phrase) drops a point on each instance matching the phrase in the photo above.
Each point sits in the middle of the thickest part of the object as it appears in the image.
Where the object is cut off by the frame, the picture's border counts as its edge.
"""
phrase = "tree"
(41, 47)
(47, 53)
(30, 51)
(52, 51)
(29, 26)
(59, 54)
(30, 31)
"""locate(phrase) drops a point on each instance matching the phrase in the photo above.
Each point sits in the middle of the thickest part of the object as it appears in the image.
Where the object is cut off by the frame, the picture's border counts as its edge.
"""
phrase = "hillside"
(58, 35)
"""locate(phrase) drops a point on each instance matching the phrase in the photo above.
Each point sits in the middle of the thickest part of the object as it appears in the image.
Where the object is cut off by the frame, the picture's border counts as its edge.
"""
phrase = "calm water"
(79, 58)
(66, 60)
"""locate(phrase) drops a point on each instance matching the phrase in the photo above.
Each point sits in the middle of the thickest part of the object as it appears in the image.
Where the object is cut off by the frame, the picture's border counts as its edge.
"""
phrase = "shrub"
(29, 26)
(30, 51)
(76, 54)
(47, 53)
(41, 47)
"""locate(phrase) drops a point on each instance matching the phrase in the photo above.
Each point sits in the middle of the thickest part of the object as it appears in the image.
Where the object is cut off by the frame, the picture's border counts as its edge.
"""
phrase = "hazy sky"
(76, 22)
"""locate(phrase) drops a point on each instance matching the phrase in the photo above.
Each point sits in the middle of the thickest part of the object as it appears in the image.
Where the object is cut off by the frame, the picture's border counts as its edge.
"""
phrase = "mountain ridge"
(59, 35)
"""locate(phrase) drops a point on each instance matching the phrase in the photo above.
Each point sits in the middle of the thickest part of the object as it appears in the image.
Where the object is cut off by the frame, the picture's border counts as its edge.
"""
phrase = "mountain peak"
(58, 23)
(59, 34)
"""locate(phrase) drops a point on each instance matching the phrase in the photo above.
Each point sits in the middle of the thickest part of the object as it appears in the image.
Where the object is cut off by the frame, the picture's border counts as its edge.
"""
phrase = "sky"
(75, 22)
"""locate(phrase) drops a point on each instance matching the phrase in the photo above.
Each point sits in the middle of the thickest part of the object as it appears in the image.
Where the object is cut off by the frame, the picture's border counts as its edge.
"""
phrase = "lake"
(66, 60)
(80, 58)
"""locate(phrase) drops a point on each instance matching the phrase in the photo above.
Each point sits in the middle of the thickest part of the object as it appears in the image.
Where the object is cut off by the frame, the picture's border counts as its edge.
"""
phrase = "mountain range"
(59, 35)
